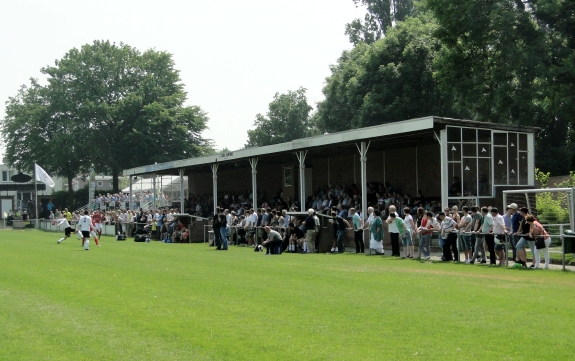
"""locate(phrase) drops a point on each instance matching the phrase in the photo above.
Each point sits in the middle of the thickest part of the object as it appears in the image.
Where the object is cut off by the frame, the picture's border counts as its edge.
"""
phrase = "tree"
(387, 81)
(381, 15)
(288, 118)
(110, 107)
(510, 61)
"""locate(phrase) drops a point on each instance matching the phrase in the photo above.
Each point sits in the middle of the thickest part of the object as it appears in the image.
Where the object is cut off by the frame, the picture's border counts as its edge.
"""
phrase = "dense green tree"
(288, 118)
(387, 81)
(110, 107)
(509, 61)
(380, 16)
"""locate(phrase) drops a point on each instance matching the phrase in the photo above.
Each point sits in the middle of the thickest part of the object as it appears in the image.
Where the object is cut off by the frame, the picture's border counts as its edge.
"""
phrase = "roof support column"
(155, 191)
(130, 205)
(301, 157)
(181, 170)
(444, 169)
(362, 148)
(215, 181)
(254, 164)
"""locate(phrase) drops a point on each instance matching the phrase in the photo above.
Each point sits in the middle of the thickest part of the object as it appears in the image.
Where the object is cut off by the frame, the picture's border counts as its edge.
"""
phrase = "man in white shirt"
(448, 226)
(85, 222)
(498, 230)
(67, 228)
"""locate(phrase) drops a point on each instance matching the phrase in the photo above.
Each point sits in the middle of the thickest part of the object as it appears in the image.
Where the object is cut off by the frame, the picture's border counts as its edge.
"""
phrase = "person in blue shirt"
(357, 230)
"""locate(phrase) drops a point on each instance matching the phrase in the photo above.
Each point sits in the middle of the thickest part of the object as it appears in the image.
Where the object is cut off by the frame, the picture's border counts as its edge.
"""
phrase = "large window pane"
(4, 176)
(455, 188)
(454, 152)
(469, 135)
(484, 135)
(469, 177)
(500, 160)
(484, 188)
(500, 139)
(469, 150)
(512, 140)
(523, 171)
(523, 142)
(512, 159)
(483, 150)
(453, 134)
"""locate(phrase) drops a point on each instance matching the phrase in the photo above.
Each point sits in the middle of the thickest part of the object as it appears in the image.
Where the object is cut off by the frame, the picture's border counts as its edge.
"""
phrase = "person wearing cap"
(498, 231)
(516, 219)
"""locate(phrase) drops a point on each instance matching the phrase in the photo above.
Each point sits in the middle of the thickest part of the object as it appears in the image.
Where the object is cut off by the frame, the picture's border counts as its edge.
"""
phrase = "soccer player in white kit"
(85, 223)
(67, 228)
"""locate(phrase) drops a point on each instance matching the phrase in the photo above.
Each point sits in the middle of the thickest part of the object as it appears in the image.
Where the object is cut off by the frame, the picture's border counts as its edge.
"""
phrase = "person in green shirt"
(376, 230)
(402, 232)
(357, 230)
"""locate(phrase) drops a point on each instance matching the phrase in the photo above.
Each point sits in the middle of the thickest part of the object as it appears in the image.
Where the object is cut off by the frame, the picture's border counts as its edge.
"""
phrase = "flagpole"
(36, 225)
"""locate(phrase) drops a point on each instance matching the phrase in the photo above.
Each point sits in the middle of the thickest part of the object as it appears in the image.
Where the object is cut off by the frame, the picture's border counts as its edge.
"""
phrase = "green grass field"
(138, 301)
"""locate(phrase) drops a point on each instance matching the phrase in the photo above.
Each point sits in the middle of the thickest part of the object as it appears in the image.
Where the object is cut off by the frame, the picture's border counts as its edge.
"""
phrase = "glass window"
(453, 134)
(484, 135)
(523, 142)
(523, 168)
(483, 150)
(500, 139)
(484, 188)
(469, 135)
(4, 176)
(512, 141)
(512, 167)
(500, 160)
(288, 177)
(469, 150)
(469, 177)
(454, 152)
(455, 189)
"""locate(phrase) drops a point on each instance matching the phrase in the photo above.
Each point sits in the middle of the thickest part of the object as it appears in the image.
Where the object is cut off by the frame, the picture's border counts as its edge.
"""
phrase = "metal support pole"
(215, 181)
(181, 171)
(155, 191)
(301, 157)
(444, 168)
(130, 205)
(362, 148)
(254, 164)
(36, 195)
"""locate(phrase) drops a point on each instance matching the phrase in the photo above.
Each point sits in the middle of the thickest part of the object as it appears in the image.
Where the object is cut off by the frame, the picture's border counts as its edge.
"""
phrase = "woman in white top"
(409, 227)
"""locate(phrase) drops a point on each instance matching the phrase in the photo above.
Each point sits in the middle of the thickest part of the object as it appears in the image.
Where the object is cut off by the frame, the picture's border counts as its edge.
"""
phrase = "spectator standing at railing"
(516, 219)
(376, 232)
(410, 228)
(425, 231)
(524, 239)
(341, 225)
(224, 230)
(465, 236)
(498, 231)
(357, 223)
(309, 225)
(476, 236)
(448, 226)
(539, 234)
(393, 233)
(216, 228)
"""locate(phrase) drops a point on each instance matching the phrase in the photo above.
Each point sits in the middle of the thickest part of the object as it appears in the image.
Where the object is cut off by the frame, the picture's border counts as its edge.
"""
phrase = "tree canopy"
(105, 107)
(288, 118)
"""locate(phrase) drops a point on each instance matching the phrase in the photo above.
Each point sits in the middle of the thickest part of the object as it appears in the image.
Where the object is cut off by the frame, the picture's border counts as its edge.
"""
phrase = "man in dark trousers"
(216, 227)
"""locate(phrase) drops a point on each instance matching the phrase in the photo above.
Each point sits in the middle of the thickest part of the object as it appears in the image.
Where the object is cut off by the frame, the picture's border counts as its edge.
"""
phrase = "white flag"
(42, 176)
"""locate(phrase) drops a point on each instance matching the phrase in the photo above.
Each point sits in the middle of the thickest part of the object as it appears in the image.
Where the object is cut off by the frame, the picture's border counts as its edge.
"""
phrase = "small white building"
(15, 196)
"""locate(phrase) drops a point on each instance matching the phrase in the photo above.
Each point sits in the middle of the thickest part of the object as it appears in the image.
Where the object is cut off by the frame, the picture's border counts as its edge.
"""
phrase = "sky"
(233, 55)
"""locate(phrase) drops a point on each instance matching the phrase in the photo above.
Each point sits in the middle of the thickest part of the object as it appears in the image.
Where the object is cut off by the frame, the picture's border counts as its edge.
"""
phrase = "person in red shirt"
(97, 218)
